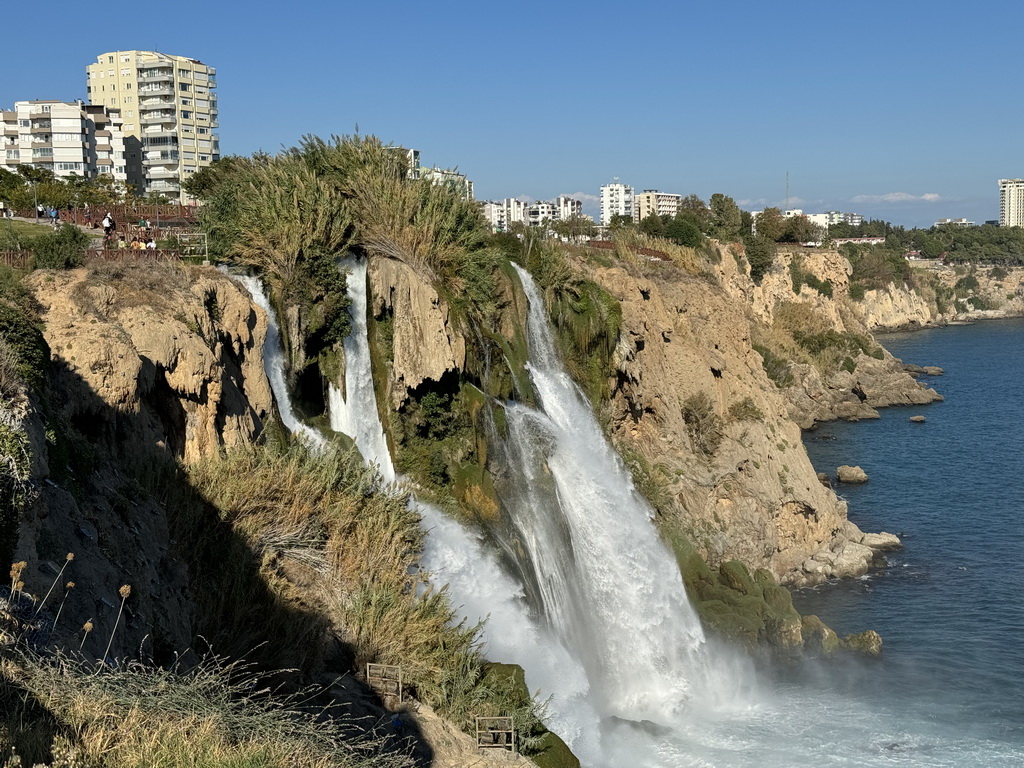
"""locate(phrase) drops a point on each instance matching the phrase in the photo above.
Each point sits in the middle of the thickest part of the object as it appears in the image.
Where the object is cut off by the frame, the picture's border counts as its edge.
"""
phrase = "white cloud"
(897, 197)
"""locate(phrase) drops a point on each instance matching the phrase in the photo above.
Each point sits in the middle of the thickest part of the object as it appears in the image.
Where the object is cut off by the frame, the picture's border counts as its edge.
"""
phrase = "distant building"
(1011, 202)
(541, 213)
(954, 223)
(502, 213)
(67, 138)
(568, 207)
(837, 217)
(457, 180)
(170, 113)
(616, 200)
(652, 201)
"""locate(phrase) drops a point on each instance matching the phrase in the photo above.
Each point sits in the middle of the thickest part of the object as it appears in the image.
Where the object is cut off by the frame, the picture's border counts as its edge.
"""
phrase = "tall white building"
(568, 207)
(64, 137)
(616, 200)
(541, 213)
(169, 107)
(1011, 202)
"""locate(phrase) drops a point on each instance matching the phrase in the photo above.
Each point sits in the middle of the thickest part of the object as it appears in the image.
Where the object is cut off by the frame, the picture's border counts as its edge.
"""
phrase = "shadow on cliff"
(118, 498)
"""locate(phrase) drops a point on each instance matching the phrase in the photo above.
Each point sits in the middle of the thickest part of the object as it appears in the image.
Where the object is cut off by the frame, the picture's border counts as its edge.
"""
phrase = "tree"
(760, 255)
(769, 224)
(620, 221)
(800, 229)
(696, 211)
(682, 230)
(653, 225)
(575, 228)
(725, 217)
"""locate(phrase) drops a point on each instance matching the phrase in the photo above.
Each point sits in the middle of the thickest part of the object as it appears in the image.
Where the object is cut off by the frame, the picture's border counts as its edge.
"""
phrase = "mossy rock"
(735, 575)
(512, 676)
(474, 489)
(819, 637)
(552, 752)
(744, 627)
(867, 642)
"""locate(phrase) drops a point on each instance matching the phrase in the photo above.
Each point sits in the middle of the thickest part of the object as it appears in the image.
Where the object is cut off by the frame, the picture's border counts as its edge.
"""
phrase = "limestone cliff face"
(897, 308)
(146, 360)
(755, 497)
(179, 358)
(425, 344)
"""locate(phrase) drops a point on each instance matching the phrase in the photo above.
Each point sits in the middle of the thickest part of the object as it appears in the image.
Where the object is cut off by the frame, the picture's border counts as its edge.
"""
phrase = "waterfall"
(457, 557)
(608, 583)
(355, 413)
(274, 365)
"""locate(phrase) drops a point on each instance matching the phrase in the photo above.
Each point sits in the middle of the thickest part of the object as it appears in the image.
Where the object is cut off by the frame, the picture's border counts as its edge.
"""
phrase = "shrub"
(857, 291)
(775, 366)
(703, 424)
(63, 248)
(745, 410)
(760, 255)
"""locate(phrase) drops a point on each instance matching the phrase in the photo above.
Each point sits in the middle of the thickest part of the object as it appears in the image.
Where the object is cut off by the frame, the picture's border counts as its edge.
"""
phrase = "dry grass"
(214, 716)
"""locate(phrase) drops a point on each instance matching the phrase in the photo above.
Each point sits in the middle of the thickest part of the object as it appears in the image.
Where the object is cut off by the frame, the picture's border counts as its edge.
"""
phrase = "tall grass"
(215, 715)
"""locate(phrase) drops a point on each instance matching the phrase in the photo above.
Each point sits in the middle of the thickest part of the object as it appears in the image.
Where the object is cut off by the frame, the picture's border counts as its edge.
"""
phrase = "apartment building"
(168, 105)
(652, 201)
(616, 200)
(67, 138)
(568, 207)
(1011, 202)
(540, 213)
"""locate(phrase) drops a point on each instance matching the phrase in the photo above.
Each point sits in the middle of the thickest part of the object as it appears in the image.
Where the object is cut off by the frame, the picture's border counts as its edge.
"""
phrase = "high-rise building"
(568, 207)
(67, 138)
(652, 201)
(616, 200)
(1011, 202)
(169, 108)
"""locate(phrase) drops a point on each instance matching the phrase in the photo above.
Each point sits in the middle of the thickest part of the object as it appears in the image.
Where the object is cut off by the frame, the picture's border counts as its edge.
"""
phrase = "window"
(204, 130)
(128, 86)
(46, 107)
(186, 102)
(185, 114)
(125, 58)
(110, 59)
(23, 123)
(110, 72)
(185, 74)
(204, 158)
(184, 86)
(128, 100)
(125, 71)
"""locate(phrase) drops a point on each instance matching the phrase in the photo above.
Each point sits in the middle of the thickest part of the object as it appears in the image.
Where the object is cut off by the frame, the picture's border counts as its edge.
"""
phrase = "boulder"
(818, 636)
(852, 560)
(848, 474)
(881, 542)
(917, 419)
(867, 642)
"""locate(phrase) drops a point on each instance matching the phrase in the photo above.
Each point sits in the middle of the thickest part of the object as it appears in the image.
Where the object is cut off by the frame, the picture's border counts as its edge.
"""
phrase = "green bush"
(63, 248)
(775, 366)
(745, 410)
(760, 255)
(857, 291)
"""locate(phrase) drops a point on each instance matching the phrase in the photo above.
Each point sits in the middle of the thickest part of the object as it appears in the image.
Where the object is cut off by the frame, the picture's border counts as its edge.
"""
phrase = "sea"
(950, 604)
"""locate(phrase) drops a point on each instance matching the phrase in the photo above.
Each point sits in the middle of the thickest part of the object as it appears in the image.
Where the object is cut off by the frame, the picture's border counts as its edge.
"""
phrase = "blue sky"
(908, 111)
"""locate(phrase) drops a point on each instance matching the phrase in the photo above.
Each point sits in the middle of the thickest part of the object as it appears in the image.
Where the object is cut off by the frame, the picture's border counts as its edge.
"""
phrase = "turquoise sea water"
(950, 606)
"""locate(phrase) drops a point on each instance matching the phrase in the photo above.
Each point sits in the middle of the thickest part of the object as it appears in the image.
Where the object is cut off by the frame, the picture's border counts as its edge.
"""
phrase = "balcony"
(162, 173)
(155, 102)
(156, 90)
(158, 118)
(160, 158)
(156, 76)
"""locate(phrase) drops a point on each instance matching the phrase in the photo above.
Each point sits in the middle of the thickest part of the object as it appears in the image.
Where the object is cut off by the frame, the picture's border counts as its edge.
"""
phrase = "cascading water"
(273, 364)
(549, 458)
(351, 413)
(478, 586)
(608, 583)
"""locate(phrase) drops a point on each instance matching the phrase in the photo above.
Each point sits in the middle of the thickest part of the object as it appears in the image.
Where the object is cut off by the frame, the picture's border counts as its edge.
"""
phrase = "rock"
(932, 370)
(852, 560)
(824, 480)
(818, 636)
(848, 474)
(917, 419)
(881, 541)
(867, 642)
(425, 344)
